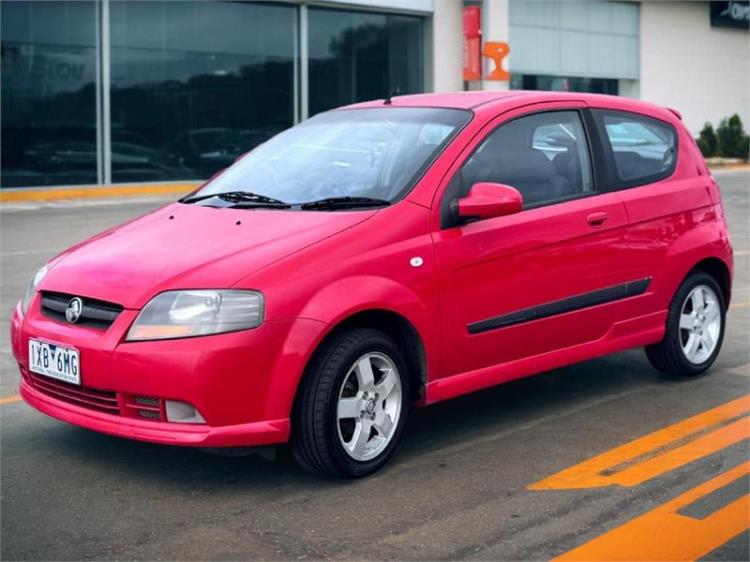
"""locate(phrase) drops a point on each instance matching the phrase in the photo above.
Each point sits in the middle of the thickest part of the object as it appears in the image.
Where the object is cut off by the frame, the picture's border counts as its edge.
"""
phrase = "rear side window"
(643, 150)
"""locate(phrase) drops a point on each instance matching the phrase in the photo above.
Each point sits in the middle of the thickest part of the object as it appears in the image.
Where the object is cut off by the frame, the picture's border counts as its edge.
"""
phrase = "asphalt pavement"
(503, 474)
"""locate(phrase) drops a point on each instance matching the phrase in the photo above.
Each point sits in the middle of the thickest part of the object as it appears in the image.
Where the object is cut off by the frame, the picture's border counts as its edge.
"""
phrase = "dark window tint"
(48, 93)
(564, 84)
(357, 56)
(644, 150)
(544, 156)
(196, 84)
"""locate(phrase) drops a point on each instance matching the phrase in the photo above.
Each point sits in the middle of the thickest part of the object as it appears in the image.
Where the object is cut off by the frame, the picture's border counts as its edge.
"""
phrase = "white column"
(447, 46)
(494, 28)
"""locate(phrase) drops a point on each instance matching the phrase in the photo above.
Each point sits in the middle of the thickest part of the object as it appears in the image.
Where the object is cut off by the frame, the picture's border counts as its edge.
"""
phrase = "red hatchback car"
(384, 255)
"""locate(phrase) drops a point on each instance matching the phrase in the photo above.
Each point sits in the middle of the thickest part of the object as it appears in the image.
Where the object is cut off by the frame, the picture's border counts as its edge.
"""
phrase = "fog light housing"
(182, 412)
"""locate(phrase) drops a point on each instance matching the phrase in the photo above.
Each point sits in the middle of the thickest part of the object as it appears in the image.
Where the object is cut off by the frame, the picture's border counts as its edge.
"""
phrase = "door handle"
(597, 219)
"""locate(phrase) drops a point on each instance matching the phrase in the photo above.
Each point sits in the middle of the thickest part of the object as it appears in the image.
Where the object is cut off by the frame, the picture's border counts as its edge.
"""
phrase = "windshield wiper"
(241, 199)
(345, 202)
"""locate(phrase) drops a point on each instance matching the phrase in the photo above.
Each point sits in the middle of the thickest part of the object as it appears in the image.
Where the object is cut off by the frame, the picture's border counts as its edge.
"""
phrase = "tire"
(350, 444)
(677, 355)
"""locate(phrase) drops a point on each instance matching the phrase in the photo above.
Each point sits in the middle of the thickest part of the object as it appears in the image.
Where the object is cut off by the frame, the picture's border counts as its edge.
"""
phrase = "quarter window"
(544, 156)
(644, 150)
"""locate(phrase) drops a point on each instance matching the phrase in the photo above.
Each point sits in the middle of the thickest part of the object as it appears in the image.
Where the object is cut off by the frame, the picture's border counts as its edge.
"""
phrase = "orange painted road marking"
(659, 452)
(740, 305)
(664, 534)
(10, 399)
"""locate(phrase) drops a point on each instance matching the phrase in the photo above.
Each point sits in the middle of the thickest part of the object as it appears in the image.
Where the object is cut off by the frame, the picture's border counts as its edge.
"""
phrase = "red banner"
(472, 43)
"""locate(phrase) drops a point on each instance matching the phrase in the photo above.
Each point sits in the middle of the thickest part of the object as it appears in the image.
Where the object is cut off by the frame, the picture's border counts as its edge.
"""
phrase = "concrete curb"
(122, 191)
(23, 195)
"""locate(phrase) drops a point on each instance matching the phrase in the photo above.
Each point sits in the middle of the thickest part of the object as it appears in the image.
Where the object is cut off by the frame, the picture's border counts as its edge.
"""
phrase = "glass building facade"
(109, 91)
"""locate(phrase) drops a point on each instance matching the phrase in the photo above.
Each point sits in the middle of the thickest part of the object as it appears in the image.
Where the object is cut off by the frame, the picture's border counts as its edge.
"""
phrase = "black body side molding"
(578, 302)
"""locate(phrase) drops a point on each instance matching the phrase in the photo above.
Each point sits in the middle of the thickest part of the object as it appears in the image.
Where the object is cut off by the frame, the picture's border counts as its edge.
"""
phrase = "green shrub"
(732, 140)
(707, 141)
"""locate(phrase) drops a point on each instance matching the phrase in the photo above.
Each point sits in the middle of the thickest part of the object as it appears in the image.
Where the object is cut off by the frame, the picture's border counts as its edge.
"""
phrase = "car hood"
(187, 246)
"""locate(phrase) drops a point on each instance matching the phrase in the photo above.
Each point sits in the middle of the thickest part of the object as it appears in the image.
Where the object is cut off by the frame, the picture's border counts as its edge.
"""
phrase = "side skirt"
(635, 332)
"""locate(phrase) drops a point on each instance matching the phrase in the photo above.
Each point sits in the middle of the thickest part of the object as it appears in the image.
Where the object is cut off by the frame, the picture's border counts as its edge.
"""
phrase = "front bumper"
(242, 383)
(240, 435)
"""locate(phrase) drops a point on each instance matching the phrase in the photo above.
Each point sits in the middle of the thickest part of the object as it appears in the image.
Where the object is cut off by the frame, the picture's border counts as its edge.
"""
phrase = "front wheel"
(695, 328)
(352, 405)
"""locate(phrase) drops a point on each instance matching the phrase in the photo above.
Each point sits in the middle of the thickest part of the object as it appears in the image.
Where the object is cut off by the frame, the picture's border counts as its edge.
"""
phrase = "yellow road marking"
(10, 399)
(664, 534)
(740, 305)
(117, 190)
(659, 452)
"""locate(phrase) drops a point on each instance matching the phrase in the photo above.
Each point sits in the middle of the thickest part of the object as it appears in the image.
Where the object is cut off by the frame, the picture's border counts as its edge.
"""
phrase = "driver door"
(547, 278)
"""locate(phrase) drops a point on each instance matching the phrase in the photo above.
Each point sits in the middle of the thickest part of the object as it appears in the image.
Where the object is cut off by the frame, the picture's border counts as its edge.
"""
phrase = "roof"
(513, 98)
(458, 100)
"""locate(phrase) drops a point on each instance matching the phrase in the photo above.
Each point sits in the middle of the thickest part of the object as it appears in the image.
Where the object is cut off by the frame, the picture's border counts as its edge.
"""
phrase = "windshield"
(374, 153)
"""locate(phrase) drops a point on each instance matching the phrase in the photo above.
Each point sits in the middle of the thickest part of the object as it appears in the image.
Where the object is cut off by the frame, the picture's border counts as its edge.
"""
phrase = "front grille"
(95, 313)
(99, 400)
(141, 407)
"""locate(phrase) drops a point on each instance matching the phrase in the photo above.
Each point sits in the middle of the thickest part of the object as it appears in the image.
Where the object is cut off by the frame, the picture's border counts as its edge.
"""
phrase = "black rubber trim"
(578, 302)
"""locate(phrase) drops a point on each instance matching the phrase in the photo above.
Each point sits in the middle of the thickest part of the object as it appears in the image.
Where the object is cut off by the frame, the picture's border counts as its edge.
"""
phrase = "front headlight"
(31, 289)
(183, 314)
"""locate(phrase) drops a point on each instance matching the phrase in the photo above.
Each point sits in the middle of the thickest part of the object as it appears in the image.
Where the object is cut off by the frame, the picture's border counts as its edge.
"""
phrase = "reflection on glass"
(357, 56)
(48, 93)
(376, 152)
(196, 84)
(193, 84)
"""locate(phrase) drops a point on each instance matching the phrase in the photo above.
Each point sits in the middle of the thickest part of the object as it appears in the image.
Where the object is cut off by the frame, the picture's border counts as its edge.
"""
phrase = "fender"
(287, 370)
(326, 310)
(686, 252)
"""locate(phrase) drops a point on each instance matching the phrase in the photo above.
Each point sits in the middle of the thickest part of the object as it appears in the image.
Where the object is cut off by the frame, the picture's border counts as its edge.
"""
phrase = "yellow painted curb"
(118, 190)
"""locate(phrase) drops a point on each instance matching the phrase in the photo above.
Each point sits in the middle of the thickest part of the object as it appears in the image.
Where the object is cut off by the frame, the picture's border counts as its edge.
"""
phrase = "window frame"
(612, 176)
(594, 151)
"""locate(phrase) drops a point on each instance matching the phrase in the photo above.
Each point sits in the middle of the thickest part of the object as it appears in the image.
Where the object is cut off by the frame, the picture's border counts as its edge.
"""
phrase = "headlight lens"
(184, 314)
(31, 289)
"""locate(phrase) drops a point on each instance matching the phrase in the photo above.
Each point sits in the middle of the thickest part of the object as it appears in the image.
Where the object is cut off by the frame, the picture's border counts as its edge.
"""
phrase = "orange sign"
(473, 52)
(497, 51)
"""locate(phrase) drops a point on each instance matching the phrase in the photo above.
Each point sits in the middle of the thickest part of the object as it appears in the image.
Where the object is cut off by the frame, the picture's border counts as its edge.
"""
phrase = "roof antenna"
(395, 92)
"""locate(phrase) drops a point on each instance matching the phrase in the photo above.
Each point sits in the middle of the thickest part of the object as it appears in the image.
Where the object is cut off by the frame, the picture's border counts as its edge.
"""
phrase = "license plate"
(54, 361)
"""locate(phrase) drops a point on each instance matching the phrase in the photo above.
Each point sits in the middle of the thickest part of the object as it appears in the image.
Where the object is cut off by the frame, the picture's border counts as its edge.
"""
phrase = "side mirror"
(487, 200)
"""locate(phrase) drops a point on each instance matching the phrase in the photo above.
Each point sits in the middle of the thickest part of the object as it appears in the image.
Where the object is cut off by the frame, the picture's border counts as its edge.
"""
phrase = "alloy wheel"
(700, 324)
(369, 406)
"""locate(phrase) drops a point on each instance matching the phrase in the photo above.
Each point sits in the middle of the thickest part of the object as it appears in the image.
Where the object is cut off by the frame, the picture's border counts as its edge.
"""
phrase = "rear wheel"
(352, 405)
(695, 328)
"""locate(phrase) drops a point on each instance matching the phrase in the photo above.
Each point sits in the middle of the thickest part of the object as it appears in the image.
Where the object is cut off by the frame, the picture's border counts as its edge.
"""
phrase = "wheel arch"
(393, 324)
(717, 269)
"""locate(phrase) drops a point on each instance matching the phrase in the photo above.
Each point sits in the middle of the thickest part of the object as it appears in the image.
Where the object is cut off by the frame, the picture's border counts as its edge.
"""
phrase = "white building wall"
(582, 38)
(702, 71)
(446, 60)
(424, 6)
